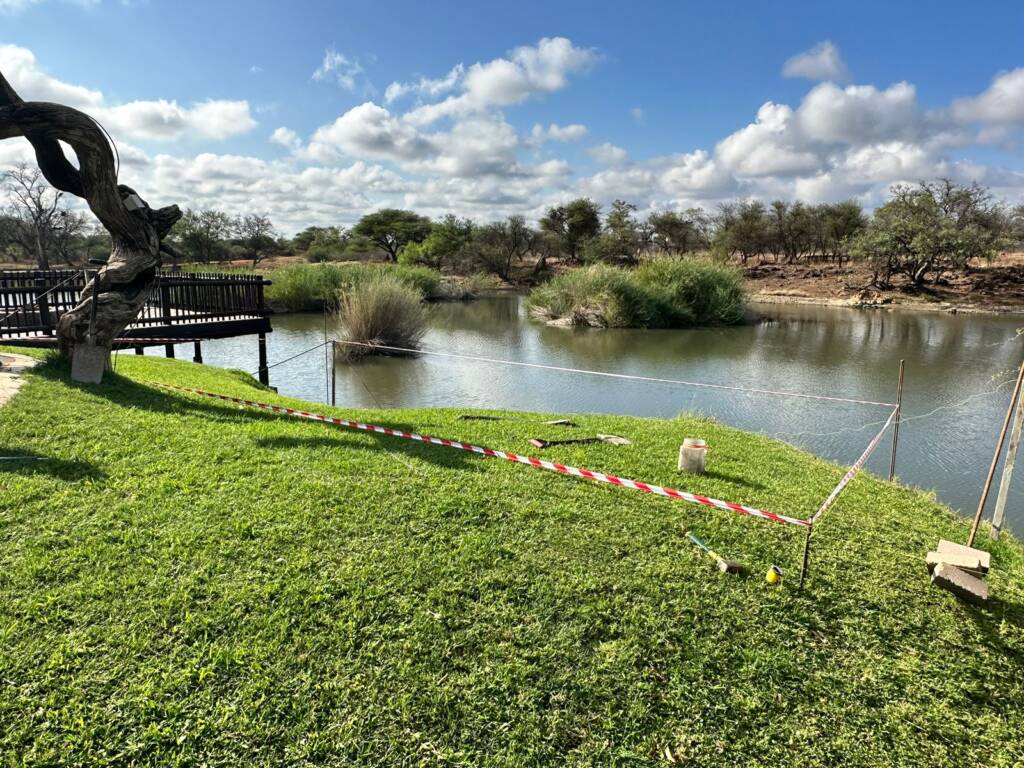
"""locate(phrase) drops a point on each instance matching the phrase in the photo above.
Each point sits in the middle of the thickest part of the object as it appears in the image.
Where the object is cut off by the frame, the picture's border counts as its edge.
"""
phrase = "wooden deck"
(182, 306)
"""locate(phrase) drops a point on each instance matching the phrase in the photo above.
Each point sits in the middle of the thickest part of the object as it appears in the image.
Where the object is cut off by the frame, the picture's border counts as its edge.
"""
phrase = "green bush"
(664, 293)
(381, 310)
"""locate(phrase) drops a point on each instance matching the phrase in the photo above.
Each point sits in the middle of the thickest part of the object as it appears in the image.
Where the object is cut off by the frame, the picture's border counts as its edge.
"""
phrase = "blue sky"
(520, 105)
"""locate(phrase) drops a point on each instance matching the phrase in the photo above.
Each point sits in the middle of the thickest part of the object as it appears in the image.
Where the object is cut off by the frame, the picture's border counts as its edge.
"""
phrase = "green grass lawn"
(183, 582)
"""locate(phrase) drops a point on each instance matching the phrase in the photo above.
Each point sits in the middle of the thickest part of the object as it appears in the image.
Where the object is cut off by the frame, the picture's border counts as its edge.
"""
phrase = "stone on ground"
(960, 583)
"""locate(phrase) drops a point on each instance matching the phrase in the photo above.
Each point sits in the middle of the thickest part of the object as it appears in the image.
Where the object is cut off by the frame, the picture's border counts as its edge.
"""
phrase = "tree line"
(918, 233)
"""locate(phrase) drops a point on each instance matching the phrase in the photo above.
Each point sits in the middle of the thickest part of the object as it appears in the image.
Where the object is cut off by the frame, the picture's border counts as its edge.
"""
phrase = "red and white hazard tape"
(552, 466)
(854, 470)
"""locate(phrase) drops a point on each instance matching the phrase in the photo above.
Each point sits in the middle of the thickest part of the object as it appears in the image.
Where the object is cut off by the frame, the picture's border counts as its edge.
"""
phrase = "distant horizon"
(331, 112)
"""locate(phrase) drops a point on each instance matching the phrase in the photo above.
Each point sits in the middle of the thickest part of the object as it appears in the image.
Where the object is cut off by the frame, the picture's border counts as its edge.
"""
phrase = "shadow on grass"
(128, 393)
(14, 461)
(734, 479)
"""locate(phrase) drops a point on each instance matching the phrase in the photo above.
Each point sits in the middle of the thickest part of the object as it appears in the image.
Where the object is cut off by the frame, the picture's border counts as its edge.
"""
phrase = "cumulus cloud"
(156, 120)
(528, 71)
(564, 133)
(1001, 103)
(608, 154)
(286, 137)
(822, 62)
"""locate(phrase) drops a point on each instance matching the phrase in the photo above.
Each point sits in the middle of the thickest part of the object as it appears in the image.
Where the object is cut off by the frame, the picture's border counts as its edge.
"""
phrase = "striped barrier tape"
(552, 466)
(854, 470)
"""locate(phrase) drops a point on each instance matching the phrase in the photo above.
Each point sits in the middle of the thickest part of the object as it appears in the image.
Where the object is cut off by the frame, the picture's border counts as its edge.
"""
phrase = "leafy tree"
(742, 228)
(502, 244)
(622, 232)
(445, 246)
(840, 223)
(202, 234)
(931, 227)
(573, 224)
(257, 233)
(791, 230)
(391, 229)
(675, 232)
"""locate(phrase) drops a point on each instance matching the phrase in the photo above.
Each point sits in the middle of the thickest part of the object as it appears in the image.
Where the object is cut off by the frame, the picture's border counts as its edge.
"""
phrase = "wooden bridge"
(182, 306)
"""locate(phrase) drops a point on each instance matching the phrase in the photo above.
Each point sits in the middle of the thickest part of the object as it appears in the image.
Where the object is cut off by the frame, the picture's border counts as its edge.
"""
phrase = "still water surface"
(822, 350)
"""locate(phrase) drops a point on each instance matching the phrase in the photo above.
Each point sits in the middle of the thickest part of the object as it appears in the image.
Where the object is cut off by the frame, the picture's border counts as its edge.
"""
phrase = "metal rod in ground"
(807, 558)
(896, 423)
(1008, 462)
(995, 458)
(334, 377)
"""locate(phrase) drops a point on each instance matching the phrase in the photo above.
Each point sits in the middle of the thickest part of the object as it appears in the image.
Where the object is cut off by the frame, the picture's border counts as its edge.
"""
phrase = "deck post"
(197, 352)
(264, 371)
(169, 350)
(139, 351)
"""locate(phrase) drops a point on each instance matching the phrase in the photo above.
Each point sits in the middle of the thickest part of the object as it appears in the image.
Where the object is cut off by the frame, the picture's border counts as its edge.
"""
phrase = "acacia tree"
(257, 234)
(573, 224)
(933, 226)
(113, 298)
(203, 233)
(503, 243)
(391, 229)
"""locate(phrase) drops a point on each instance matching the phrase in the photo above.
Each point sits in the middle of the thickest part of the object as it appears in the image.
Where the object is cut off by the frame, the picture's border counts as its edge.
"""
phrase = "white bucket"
(692, 455)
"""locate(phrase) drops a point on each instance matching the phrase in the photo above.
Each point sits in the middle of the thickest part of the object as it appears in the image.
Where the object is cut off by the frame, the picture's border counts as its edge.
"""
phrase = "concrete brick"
(952, 548)
(960, 583)
(969, 563)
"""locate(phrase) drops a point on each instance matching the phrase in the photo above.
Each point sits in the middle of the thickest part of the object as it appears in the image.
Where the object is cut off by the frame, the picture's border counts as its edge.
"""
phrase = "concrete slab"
(969, 563)
(960, 583)
(11, 369)
(952, 548)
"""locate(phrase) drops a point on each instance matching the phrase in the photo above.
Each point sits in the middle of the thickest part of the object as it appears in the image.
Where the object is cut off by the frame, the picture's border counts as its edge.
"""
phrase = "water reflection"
(800, 348)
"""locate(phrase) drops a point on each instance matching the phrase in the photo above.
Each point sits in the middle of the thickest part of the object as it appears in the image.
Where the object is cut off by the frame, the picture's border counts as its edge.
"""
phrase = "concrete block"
(960, 583)
(968, 563)
(952, 548)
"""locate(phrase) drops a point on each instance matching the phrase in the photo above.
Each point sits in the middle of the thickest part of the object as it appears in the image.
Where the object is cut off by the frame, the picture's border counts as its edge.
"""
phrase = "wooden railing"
(31, 302)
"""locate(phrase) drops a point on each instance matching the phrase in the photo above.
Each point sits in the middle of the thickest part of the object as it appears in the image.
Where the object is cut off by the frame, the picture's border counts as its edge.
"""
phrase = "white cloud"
(425, 87)
(166, 120)
(563, 133)
(767, 147)
(21, 69)
(608, 154)
(529, 71)
(822, 62)
(860, 114)
(638, 115)
(369, 130)
(1001, 103)
(339, 68)
(157, 120)
(286, 137)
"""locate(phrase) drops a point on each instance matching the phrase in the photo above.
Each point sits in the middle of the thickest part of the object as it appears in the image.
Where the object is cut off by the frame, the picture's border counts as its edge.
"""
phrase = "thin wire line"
(617, 375)
(289, 359)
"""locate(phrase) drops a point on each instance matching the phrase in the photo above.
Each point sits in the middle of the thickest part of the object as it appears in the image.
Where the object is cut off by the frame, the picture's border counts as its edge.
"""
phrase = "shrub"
(598, 295)
(381, 310)
(310, 287)
(695, 291)
(664, 293)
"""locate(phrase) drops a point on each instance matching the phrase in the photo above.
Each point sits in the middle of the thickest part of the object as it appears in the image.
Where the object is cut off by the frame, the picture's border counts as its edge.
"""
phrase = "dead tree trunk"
(121, 286)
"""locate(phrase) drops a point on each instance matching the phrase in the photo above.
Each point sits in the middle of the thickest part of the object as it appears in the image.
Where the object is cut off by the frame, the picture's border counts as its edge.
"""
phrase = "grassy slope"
(187, 582)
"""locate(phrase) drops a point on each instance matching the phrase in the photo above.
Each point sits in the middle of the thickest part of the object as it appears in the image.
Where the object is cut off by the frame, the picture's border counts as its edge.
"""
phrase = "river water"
(962, 365)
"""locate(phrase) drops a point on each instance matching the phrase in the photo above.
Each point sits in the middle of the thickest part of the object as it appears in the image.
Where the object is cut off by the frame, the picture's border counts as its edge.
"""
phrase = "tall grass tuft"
(310, 287)
(663, 293)
(381, 310)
